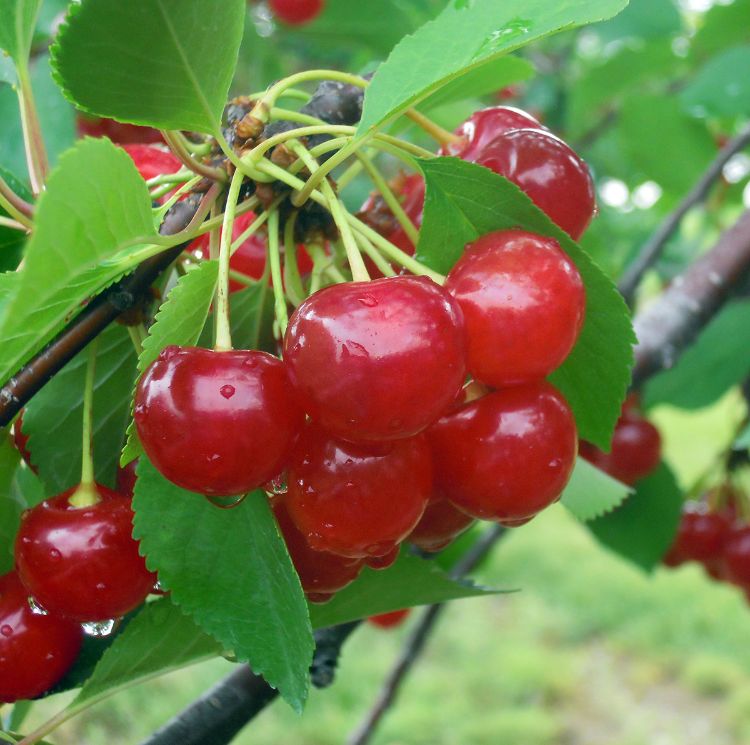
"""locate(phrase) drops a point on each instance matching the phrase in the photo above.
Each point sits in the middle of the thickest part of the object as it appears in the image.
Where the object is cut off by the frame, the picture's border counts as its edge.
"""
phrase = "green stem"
(294, 116)
(443, 136)
(176, 142)
(164, 208)
(274, 259)
(292, 281)
(253, 227)
(19, 209)
(375, 256)
(135, 337)
(8, 222)
(348, 175)
(36, 153)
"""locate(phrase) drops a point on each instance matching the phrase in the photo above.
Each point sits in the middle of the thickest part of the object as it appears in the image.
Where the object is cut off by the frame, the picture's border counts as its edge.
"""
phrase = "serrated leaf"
(410, 581)
(230, 571)
(161, 638)
(721, 87)
(716, 361)
(17, 21)
(464, 201)
(641, 530)
(591, 493)
(162, 63)
(53, 418)
(95, 206)
(467, 35)
(179, 321)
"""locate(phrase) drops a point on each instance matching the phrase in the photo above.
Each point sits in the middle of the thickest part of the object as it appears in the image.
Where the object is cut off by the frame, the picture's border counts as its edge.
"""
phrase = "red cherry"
(389, 620)
(152, 161)
(483, 126)
(737, 556)
(635, 452)
(35, 650)
(126, 478)
(441, 523)
(550, 173)
(357, 500)
(118, 132)
(508, 455)
(81, 562)
(701, 535)
(296, 12)
(320, 573)
(383, 562)
(217, 423)
(21, 441)
(523, 302)
(377, 360)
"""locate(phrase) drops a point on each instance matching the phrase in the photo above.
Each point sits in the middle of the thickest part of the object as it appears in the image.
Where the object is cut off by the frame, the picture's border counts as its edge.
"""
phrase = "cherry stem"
(274, 259)
(36, 153)
(295, 290)
(8, 222)
(186, 187)
(375, 256)
(135, 337)
(87, 494)
(438, 133)
(19, 209)
(177, 144)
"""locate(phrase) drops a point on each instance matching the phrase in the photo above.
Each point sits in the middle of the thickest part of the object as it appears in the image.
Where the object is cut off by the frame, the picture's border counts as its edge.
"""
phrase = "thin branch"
(177, 145)
(653, 248)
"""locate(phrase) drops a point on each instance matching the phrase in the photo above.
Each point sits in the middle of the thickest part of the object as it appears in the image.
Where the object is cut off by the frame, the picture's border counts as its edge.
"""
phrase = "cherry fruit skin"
(126, 477)
(737, 556)
(296, 12)
(321, 573)
(483, 126)
(217, 423)
(21, 441)
(551, 174)
(441, 523)
(119, 132)
(389, 620)
(377, 360)
(701, 535)
(357, 500)
(152, 161)
(82, 562)
(635, 451)
(35, 650)
(508, 455)
(523, 302)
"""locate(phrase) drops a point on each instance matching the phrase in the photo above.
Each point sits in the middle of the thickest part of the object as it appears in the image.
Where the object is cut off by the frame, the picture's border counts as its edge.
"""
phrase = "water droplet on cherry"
(227, 391)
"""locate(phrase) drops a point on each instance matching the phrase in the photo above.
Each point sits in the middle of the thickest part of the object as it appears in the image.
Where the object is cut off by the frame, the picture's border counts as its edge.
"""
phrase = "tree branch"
(653, 248)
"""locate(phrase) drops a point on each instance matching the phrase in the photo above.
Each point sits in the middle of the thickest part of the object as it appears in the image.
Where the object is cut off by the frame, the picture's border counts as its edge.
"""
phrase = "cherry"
(118, 132)
(737, 556)
(550, 173)
(441, 523)
(701, 535)
(377, 360)
(320, 573)
(389, 620)
(217, 423)
(21, 441)
(81, 562)
(35, 650)
(357, 500)
(635, 451)
(483, 126)
(126, 478)
(383, 562)
(508, 455)
(152, 161)
(523, 302)
(296, 12)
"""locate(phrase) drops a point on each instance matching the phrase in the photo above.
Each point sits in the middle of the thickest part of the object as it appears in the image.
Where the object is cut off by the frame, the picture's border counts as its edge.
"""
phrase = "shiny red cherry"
(21, 441)
(483, 126)
(152, 161)
(701, 535)
(119, 132)
(550, 173)
(35, 650)
(81, 562)
(377, 360)
(383, 562)
(508, 455)
(441, 523)
(389, 620)
(296, 12)
(320, 573)
(635, 451)
(217, 423)
(523, 302)
(357, 500)
(126, 478)
(737, 556)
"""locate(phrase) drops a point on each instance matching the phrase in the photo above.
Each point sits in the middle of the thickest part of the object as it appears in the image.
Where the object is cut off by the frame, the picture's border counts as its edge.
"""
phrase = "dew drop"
(6, 630)
(227, 391)
(100, 586)
(55, 554)
(98, 629)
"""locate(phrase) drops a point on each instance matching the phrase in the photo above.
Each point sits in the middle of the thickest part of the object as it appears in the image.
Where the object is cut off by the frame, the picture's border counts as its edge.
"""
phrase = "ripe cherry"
(483, 126)
(737, 556)
(508, 455)
(35, 650)
(296, 12)
(119, 132)
(701, 535)
(550, 173)
(152, 161)
(523, 302)
(81, 562)
(320, 573)
(21, 441)
(357, 500)
(217, 423)
(126, 478)
(383, 562)
(440, 524)
(635, 451)
(389, 620)
(377, 360)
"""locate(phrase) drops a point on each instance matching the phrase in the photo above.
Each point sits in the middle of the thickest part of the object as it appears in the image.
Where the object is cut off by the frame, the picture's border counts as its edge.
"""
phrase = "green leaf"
(162, 63)
(724, 25)
(743, 440)
(53, 418)
(229, 569)
(409, 582)
(641, 530)
(591, 493)
(161, 638)
(17, 21)
(643, 19)
(464, 201)
(252, 318)
(467, 35)
(179, 321)
(10, 507)
(715, 362)
(721, 87)
(11, 241)
(95, 205)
